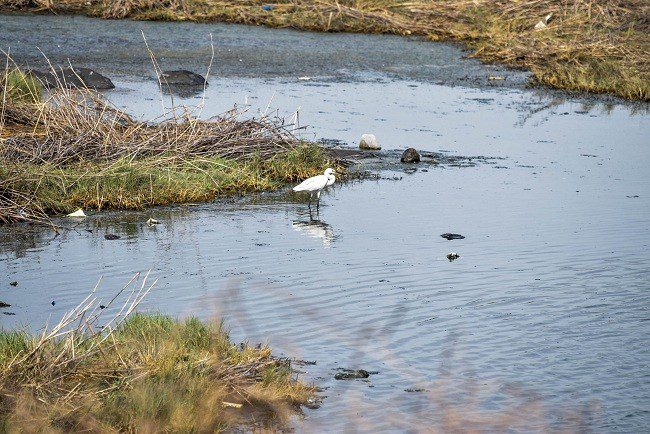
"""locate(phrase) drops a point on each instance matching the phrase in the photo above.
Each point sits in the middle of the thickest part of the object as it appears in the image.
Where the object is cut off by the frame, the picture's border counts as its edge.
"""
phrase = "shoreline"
(592, 65)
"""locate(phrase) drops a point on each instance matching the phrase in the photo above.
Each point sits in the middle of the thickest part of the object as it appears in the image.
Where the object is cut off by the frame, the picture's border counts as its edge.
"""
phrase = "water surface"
(546, 308)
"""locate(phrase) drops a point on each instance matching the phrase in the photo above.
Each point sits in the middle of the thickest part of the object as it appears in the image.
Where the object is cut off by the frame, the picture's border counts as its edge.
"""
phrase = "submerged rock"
(111, 237)
(352, 374)
(70, 77)
(449, 236)
(369, 141)
(410, 156)
(182, 77)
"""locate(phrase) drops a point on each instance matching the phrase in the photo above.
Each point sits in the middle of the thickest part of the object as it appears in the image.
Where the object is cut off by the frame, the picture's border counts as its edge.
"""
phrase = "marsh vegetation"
(585, 45)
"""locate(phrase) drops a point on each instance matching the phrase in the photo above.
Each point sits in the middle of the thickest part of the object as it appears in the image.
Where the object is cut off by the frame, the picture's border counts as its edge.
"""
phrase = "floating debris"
(77, 213)
(304, 78)
(496, 78)
(8, 313)
(543, 23)
(111, 237)
(452, 256)
(417, 390)
(449, 236)
(14, 283)
(152, 222)
(53, 303)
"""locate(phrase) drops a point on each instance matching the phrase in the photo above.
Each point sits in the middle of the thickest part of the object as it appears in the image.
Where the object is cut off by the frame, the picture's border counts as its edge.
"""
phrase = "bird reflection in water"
(315, 229)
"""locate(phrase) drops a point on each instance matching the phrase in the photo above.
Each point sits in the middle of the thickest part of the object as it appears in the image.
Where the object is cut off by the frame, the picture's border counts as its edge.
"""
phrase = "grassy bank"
(139, 372)
(587, 45)
(74, 150)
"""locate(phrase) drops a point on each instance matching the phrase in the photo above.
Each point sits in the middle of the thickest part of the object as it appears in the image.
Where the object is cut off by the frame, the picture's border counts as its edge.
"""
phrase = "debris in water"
(304, 78)
(111, 237)
(3, 304)
(449, 236)
(411, 155)
(8, 313)
(101, 306)
(452, 256)
(352, 374)
(152, 222)
(312, 404)
(633, 196)
(496, 78)
(543, 23)
(14, 283)
(369, 141)
(415, 390)
(77, 213)
(53, 303)
(267, 8)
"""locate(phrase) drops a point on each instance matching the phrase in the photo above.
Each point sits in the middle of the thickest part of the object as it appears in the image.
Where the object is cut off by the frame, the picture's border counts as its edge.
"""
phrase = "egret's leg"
(309, 203)
(317, 201)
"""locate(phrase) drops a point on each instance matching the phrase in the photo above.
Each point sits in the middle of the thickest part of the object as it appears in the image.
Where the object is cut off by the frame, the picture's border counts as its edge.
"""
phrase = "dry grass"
(126, 371)
(589, 45)
(74, 149)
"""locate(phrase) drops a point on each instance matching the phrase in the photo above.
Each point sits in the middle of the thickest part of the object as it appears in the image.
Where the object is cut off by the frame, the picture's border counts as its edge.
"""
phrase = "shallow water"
(546, 308)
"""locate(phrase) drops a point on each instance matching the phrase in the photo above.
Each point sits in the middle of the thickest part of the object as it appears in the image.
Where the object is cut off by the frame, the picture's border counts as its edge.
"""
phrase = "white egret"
(316, 184)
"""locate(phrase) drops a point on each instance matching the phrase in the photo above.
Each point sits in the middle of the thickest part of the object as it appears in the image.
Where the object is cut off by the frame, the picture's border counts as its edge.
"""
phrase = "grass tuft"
(147, 372)
(74, 150)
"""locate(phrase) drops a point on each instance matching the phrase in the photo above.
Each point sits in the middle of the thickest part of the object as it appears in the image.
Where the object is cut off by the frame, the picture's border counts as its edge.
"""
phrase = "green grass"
(154, 373)
(141, 183)
(18, 87)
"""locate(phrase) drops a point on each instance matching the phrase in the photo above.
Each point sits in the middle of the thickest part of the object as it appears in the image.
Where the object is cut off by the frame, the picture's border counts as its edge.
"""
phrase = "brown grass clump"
(588, 45)
(74, 150)
(127, 371)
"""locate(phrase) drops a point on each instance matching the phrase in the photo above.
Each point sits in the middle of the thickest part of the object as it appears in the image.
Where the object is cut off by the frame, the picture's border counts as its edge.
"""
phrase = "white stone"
(77, 213)
(369, 141)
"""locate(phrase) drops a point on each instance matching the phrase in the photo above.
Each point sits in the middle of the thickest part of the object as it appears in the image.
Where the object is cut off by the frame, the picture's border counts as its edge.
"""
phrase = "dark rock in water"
(111, 237)
(3, 304)
(410, 156)
(74, 77)
(14, 283)
(352, 374)
(53, 303)
(452, 256)
(449, 236)
(182, 77)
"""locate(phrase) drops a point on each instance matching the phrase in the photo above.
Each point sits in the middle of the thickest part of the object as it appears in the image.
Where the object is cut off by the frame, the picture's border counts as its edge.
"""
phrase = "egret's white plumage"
(316, 184)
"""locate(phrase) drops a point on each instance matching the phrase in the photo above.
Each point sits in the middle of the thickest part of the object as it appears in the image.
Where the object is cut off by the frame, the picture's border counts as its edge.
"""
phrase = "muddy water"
(545, 313)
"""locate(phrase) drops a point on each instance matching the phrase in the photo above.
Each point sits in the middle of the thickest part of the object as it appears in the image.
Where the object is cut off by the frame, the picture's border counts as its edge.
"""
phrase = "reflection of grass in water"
(596, 46)
(149, 372)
